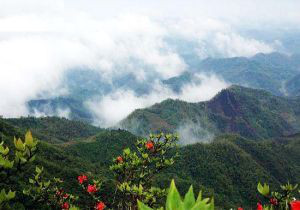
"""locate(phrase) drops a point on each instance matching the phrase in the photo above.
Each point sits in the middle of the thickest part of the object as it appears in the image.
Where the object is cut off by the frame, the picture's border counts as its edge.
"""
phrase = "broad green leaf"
(189, 199)
(173, 199)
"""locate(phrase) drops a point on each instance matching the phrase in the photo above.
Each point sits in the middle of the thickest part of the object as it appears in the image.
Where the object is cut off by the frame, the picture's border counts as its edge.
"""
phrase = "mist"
(42, 40)
(194, 132)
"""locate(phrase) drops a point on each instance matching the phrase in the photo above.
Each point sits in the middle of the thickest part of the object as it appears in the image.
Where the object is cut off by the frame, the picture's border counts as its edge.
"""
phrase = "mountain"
(249, 112)
(228, 168)
(273, 72)
(263, 71)
(60, 106)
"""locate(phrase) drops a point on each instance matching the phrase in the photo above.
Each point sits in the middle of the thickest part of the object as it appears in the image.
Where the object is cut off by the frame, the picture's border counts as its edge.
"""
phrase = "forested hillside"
(251, 113)
(229, 168)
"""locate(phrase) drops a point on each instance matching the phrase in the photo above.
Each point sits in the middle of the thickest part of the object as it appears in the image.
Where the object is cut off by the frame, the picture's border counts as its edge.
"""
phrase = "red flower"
(149, 145)
(120, 159)
(66, 196)
(295, 205)
(259, 206)
(274, 201)
(91, 188)
(82, 179)
(100, 206)
(240, 208)
(65, 206)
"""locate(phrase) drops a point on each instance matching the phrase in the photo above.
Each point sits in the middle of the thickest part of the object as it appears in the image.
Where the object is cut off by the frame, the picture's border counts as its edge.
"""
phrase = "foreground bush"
(12, 163)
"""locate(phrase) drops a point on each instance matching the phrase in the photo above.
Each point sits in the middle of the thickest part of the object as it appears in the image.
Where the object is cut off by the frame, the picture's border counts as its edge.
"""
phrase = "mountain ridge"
(236, 109)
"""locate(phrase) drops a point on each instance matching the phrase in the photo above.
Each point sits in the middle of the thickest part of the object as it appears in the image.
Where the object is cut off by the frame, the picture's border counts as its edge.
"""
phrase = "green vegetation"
(227, 169)
(293, 86)
(54, 129)
(174, 201)
(254, 114)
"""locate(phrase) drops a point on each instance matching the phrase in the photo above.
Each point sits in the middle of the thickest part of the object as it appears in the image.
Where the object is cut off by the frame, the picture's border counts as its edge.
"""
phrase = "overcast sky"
(41, 39)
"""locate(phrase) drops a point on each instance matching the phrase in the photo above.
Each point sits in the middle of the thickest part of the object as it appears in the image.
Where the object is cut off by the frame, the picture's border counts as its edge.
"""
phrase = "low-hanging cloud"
(193, 132)
(112, 108)
(41, 40)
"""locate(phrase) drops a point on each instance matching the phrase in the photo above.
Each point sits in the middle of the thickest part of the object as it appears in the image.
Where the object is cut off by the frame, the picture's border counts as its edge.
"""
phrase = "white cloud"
(112, 108)
(40, 40)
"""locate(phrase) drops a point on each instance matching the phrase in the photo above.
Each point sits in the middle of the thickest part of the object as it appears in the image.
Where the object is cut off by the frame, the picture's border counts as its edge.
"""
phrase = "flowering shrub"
(92, 191)
(48, 192)
(135, 170)
(283, 200)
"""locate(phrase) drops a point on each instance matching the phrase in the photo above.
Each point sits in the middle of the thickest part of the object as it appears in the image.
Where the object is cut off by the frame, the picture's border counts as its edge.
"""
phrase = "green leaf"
(29, 139)
(8, 164)
(189, 199)
(173, 199)
(142, 206)
(4, 151)
(5, 197)
(10, 195)
(145, 155)
(264, 190)
(38, 170)
(31, 181)
(19, 144)
(47, 183)
(199, 198)
(32, 158)
(127, 151)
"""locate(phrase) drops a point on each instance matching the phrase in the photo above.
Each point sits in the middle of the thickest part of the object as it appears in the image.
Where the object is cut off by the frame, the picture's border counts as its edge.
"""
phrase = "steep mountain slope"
(248, 112)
